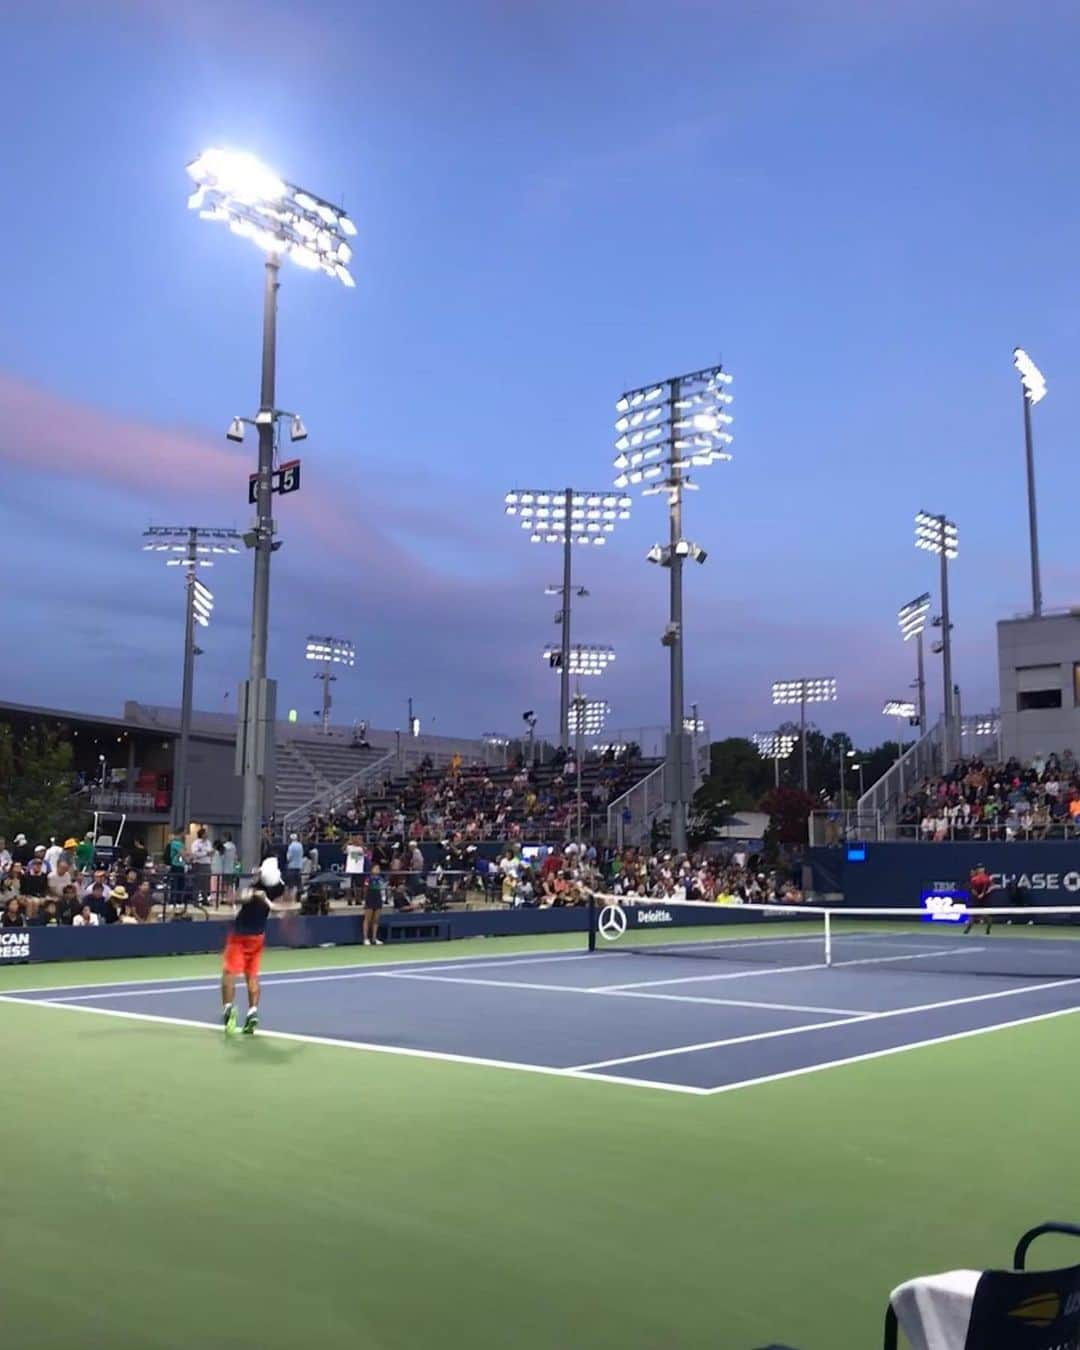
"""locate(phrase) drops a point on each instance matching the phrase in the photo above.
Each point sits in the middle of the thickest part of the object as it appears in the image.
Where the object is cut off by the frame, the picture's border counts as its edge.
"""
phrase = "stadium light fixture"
(588, 716)
(802, 692)
(774, 745)
(282, 220)
(190, 547)
(938, 534)
(583, 659)
(663, 431)
(1033, 390)
(567, 516)
(329, 652)
(912, 620)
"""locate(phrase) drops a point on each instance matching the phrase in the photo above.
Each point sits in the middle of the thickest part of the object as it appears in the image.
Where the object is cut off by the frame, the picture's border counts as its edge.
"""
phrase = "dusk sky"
(860, 207)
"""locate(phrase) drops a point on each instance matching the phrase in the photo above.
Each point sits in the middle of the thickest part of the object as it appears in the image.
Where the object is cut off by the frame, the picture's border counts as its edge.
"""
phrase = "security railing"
(829, 828)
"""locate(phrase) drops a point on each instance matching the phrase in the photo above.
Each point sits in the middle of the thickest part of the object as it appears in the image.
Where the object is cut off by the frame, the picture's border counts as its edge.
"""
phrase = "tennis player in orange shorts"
(245, 943)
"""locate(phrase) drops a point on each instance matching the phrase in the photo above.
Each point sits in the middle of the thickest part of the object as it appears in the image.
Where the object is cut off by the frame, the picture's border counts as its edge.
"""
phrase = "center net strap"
(1030, 942)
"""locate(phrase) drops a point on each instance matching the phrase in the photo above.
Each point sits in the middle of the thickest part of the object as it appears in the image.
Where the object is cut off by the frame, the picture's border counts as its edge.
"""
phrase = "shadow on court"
(261, 1049)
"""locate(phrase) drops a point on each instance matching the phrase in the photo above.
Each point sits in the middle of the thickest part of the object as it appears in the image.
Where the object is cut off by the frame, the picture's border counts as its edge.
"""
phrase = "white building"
(1039, 682)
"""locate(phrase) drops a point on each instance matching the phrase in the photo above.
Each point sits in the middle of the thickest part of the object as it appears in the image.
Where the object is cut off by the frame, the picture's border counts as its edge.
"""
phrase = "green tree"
(737, 778)
(37, 785)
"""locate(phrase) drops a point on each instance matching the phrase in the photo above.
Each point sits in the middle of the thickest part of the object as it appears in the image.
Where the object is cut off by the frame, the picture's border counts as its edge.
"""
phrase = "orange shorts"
(243, 952)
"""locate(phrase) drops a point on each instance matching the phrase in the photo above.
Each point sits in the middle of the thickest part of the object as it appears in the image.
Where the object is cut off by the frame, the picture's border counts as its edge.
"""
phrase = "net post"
(828, 938)
(592, 921)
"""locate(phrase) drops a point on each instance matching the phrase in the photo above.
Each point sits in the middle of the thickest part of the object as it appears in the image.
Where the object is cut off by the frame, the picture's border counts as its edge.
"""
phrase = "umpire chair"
(1014, 1309)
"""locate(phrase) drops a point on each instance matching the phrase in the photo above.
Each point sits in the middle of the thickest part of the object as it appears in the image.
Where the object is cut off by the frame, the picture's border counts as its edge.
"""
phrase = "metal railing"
(337, 794)
(630, 816)
(829, 828)
(980, 734)
(116, 799)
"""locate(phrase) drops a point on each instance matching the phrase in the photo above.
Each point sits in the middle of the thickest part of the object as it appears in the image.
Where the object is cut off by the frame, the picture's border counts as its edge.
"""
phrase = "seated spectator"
(48, 916)
(14, 915)
(86, 918)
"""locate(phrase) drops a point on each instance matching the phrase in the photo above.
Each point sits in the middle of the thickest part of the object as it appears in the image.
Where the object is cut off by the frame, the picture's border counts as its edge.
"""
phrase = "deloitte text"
(654, 916)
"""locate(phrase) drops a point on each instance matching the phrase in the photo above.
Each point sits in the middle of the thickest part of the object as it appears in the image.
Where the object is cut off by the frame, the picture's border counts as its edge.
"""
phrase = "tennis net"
(1026, 943)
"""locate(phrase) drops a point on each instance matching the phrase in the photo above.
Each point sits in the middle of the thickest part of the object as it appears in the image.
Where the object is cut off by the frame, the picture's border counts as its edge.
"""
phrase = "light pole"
(329, 652)
(1033, 390)
(912, 620)
(802, 692)
(587, 718)
(859, 767)
(281, 219)
(774, 745)
(665, 430)
(566, 517)
(193, 546)
(529, 718)
(938, 534)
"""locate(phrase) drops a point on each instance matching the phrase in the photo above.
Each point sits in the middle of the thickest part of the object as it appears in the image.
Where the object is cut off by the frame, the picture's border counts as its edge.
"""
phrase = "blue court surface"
(674, 1022)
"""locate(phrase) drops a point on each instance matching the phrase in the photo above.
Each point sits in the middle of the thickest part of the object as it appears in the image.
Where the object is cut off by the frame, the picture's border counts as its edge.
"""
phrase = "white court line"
(402, 1050)
(819, 1026)
(791, 970)
(161, 982)
(887, 1050)
(415, 976)
(731, 1002)
(118, 988)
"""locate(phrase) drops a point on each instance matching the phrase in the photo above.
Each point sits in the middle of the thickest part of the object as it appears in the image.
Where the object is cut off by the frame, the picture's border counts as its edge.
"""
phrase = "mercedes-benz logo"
(612, 922)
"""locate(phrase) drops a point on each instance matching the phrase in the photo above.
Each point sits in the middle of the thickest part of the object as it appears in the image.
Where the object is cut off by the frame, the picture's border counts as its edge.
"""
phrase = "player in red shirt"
(980, 884)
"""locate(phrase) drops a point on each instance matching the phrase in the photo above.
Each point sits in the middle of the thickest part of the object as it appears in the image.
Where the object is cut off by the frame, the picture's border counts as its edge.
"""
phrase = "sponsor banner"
(14, 945)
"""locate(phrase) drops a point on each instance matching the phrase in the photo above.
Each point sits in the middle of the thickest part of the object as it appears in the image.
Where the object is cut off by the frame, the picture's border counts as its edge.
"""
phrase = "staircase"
(305, 769)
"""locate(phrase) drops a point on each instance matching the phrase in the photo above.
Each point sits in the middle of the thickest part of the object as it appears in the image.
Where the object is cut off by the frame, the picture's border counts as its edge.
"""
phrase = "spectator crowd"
(979, 800)
(74, 883)
(481, 803)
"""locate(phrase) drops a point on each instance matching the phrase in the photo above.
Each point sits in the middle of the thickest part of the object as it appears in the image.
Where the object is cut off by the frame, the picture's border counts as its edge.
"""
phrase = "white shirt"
(201, 850)
(79, 922)
(229, 865)
(52, 856)
(354, 859)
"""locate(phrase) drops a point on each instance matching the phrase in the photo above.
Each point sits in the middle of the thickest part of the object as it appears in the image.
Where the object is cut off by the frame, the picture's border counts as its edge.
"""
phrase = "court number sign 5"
(284, 480)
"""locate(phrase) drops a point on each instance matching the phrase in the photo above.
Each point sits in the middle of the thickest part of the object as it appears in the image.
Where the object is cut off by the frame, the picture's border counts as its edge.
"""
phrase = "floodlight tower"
(190, 547)
(665, 430)
(1033, 390)
(281, 219)
(938, 534)
(587, 718)
(802, 692)
(912, 620)
(329, 652)
(774, 745)
(566, 517)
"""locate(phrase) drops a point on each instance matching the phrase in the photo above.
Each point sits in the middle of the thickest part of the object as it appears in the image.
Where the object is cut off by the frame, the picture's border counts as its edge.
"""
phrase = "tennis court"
(526, 1142)
(762, 1006)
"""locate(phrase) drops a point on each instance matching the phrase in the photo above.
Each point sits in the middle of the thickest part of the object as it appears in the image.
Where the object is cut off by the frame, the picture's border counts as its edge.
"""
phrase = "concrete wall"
(1023, 644)
(215, 788)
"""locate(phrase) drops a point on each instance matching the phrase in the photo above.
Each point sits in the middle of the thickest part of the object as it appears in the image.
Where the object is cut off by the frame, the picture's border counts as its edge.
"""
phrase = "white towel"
(934, 1311)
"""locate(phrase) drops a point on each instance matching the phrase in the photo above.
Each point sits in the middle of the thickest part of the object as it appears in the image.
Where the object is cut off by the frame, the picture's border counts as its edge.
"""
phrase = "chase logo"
(1038, 1310)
